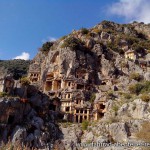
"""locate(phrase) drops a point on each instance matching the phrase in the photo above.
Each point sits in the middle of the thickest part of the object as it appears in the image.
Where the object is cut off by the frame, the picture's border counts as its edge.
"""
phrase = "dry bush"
(135, 76)
(16, 146)
(144, 133)
(145, 98)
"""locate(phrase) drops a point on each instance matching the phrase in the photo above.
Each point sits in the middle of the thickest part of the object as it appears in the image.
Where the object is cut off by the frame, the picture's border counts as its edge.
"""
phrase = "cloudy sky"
(26, 24)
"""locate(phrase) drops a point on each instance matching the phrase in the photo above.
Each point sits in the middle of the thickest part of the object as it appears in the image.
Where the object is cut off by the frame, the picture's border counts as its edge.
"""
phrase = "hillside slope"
(17, 67)
(104, 70)
(92, 85)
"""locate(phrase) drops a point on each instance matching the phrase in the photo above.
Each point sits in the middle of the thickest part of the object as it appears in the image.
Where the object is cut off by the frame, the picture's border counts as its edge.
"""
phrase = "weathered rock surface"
(136, 109)
(23, 123)
(94, 67)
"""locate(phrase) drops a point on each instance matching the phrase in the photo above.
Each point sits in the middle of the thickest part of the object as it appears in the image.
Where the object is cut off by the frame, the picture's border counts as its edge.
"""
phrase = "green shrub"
(144, 44)
(3, 94)
(115, 47)
(123, 64)
(92, 98)
(71, 42)
(136, 88)
(85, 125)
(46, 47)
(110, 95)
(127, 95)
(121, 93)
(84, 31)
(115, 108)
(140, 50)
(135, 76)
(25, 81)
(140, 88)
(107, 25)
(146, 87)
(131, 39)
(145, 98)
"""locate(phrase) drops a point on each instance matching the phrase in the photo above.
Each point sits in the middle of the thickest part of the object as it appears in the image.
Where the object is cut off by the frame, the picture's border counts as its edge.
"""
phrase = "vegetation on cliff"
(17, 67)
(140, 88)
(72, 42)
(46, 47)
(101, 87)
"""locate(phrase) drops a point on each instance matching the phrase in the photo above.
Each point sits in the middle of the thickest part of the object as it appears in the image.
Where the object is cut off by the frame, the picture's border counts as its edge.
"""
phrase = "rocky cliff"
(27, 122)
(96, 84)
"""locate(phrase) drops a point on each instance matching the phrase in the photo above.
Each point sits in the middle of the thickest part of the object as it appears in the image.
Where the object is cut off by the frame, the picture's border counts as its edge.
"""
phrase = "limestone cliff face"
(144, 28)
(87, 76)
(91, 62)
(36, 63)
(86, 71)
(36, 68)
(99, 59)
(71, 64)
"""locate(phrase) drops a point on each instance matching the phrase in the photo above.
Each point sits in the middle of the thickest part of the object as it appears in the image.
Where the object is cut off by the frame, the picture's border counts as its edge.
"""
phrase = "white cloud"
(24, 56)
(132, 10)
(50, 39)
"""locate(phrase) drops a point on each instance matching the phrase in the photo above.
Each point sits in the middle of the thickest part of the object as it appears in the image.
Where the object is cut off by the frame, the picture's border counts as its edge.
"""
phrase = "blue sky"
(26, 24)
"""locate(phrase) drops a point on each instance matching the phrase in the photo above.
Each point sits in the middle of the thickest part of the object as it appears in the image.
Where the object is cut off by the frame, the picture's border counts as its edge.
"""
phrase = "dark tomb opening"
(67, 108)
(76, 118)
(102, 106)
(11, 119)
(52, 107)
(80, 86)
(101, 115)
(81, 118)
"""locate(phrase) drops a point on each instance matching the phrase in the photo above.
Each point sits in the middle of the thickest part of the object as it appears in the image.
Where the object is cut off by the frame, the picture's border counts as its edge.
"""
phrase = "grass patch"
(135, 76)
(127, 95)
(113, 120)
(92, 98)
(140, 88)
(85, 125)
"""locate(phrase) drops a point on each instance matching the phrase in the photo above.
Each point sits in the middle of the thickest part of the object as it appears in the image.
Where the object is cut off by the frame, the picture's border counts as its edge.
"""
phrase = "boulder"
(119, 132)
(88, 137)
(147, 76)
(36, 100)
(102, 139)
(19, 134)
(37, 122)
